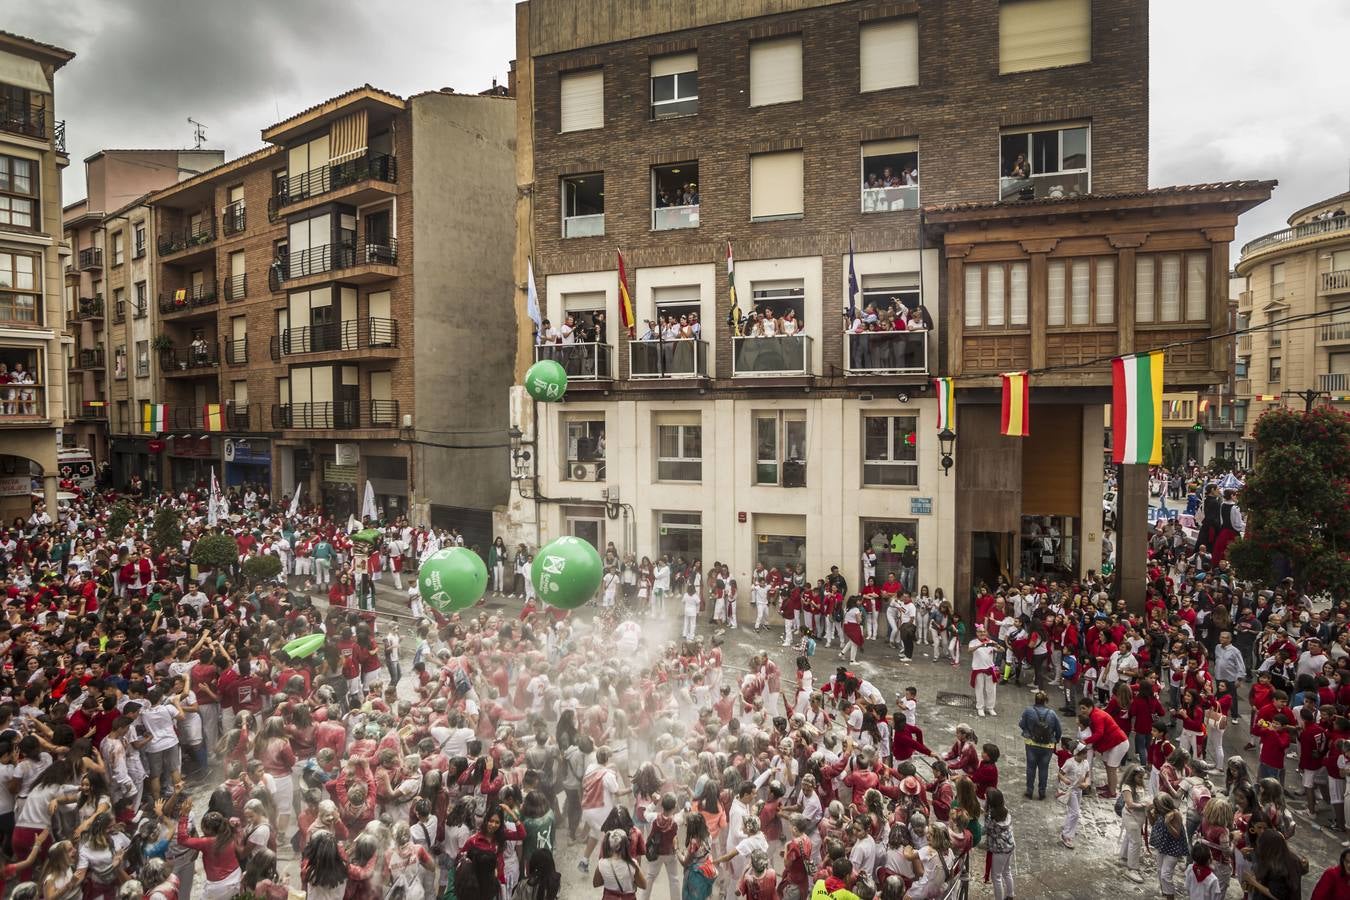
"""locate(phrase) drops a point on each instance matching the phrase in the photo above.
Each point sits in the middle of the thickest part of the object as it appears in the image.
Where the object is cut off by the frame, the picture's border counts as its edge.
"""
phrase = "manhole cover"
(959, 701)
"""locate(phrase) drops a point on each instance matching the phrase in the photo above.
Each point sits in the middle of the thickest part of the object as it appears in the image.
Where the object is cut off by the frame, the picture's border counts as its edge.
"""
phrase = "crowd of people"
(133, 675)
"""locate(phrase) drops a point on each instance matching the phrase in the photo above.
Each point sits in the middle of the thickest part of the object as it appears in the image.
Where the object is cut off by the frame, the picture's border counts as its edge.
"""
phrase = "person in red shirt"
(1312, 751)
(1106, 739)
(985, 775)
(1274, 727)
(1144, 708)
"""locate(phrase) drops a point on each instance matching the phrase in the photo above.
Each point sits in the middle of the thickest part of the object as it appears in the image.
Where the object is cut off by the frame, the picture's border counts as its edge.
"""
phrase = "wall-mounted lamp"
(947, 443)
(520, 455)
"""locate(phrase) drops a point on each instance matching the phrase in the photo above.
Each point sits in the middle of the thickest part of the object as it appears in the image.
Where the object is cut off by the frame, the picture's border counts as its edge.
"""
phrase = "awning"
(23, 72)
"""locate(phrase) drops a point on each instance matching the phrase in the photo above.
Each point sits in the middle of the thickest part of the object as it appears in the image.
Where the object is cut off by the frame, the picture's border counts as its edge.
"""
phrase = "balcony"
(890, 199)
(89, 308)
(22, 404)
(234, 219)
(783, 354)
(886, 353)
(584, 226)
(372, 167)
(188, 299)
(91, 258)
(1336, 282)
(119, 312)
(339, 414)
(666, 218)
(92, 410)
(239, 417)
(1338, 383)
(188, 361)
(1335, 333)
(28, 120)
(686, 358)
(189, 236)
(1242, 387)
(89, 359)
(346, 336)
(582, 362)
(1317, 228)
(236, 351)
(236, 288)
(1050, 186)
(1244, 344)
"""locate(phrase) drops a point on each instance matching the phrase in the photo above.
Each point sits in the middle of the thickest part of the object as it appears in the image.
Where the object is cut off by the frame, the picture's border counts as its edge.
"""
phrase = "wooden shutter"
(776, 71)
(1043, 34)
(780, 525)
(1054, 313)
(888, 54)
(1017, 300)
(1197, 282)
(776, 184)
(1106, 290)
(347, 137)
(582, 100)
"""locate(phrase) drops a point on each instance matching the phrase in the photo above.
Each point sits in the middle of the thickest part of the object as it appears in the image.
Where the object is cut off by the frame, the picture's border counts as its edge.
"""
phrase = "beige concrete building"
(32, 315)
(1291, 274)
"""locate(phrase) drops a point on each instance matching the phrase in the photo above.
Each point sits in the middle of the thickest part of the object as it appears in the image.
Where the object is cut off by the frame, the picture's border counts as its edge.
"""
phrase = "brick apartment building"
(32, 319)
(329, 294)
(998, 119)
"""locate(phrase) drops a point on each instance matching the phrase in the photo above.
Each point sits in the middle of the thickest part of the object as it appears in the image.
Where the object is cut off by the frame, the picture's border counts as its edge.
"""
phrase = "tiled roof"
(343, 95)
(52, 48)
(1173, 191)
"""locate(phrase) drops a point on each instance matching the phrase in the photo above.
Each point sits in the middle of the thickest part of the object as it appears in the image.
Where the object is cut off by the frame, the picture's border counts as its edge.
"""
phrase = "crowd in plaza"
(132, 675)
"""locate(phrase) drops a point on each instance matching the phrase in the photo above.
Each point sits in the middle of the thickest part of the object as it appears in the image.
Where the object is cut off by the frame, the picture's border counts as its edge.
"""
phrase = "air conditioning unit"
(584, 471)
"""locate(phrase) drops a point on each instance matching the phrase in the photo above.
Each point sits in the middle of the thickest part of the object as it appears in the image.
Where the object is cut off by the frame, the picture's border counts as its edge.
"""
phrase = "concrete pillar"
(1132, 535)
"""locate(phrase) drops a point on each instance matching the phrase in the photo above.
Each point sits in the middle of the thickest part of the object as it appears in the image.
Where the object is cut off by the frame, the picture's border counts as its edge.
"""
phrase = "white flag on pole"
(212, 501)
(295, 501)
(368, 505)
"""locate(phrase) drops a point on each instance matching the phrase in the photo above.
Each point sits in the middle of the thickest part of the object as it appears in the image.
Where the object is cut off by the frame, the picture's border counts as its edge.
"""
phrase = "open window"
(890, 176)
(583, 205)
(675, 196)
(1048, 163)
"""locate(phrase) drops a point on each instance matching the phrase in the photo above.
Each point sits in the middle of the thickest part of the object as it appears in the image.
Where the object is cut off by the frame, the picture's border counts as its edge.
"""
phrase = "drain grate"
(957, 701)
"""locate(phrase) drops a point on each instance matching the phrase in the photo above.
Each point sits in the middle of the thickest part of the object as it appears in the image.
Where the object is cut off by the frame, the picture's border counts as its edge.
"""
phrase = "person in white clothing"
(691, 605)
(759, 595)
(1074, 775)
(984, 671)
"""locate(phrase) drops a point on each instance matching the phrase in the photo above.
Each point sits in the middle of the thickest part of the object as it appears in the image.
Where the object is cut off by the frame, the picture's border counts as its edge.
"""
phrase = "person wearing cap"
(983, 671)
(1075, 775)
(1041, 730)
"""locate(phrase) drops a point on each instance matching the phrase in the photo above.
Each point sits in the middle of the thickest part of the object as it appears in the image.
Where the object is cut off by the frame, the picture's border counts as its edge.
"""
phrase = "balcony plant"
(162, 342)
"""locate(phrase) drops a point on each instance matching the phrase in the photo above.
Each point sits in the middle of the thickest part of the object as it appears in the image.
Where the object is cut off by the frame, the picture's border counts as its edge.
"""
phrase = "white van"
(76, 465)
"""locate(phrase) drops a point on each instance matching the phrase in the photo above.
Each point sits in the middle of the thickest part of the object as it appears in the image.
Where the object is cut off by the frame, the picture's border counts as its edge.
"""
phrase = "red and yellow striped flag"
(1016, 404)
(625, 301)
(212, 417)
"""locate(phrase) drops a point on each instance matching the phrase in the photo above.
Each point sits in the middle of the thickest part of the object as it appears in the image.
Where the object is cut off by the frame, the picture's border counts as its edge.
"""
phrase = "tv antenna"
(198, 132)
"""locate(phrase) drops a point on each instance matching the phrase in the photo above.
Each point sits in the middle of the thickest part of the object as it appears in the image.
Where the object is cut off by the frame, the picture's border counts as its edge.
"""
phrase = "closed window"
(120, 361)
(582, 100)
(1274, 370)
(1277, 281)
(674, 85)
(890, 451)
(1043, 34)
(18, 192)
(142, 300)
(1081, 292)
(142, 359)
(679, 452)
(118, 248)
(1171, 288)
(780, 448)
(776, 185)
(996, 295)
(20, 298)
(776, 71)
(888, 54)
(138, 240)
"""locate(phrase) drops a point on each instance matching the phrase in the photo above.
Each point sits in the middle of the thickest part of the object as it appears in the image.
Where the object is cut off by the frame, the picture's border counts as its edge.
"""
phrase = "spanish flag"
(212, 417)
(1016, 404)
(154, 417)
(625, 301)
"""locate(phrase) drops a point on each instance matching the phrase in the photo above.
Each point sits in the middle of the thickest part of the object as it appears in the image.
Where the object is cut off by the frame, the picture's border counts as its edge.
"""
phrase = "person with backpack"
(1041, 730)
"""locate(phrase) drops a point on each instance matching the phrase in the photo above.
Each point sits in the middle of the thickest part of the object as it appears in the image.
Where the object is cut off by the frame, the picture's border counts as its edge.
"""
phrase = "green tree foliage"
(1297, 502)
(165, 532)
(118, 517)
(215, 551)
(262, 568)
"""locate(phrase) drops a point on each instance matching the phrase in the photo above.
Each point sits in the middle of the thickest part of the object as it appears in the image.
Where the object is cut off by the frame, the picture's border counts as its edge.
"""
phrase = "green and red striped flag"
(1136, 408)
(946, 398)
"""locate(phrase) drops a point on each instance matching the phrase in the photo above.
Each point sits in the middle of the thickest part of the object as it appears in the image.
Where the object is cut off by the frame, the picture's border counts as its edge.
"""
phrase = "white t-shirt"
(691, 604)
(158, 722)
(982, 654)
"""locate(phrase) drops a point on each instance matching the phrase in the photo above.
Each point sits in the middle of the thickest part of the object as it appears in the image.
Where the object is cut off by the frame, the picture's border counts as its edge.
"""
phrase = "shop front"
(388, 477)
(136, 456)
(338, 477)
(247, 461)
(191, 461)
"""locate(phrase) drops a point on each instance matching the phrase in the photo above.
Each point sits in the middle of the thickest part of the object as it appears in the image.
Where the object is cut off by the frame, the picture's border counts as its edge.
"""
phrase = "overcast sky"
(1236, 91)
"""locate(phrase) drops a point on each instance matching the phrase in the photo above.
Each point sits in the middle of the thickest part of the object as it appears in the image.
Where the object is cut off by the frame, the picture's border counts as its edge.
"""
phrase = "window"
(776, 71)
(582, 100)
(142, 359)
(1043, 34)
(18, 192)
(142, 300)
(679, 535)
(307, 170)
(780, 448)
(583, 205)
(679, 451)
(1340, 260)
(20, 297)
(1274, 333)
(888, 54)
(675, 196)
(674, 85)
(775, 185)
(27, 399)
(1081, 292)
(890, 451)
(890, 175)
(1171, 287)
(585, 450)
(1277, 281)
(138, 240)
(236, 286)
(1274, 376)
(118, 248)
(996, 295)
(1050, 163)
(120, 361)
(119, 304)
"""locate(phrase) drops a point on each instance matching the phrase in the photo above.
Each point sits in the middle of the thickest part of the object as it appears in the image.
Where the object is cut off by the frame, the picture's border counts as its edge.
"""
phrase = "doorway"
(590, 529)
(988, 555)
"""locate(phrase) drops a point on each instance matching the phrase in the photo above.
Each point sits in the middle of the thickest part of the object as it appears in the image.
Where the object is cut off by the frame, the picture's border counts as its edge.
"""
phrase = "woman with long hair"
(54, 786)
(696, 859)
(617, 872)
(1276, 872)
(543, 882)
(260, 877)
(59, 879)
(158, 881)
(101, 851)
(487, 847)
(278, 760)
(217, 848)
(323, 870)
(363, 858)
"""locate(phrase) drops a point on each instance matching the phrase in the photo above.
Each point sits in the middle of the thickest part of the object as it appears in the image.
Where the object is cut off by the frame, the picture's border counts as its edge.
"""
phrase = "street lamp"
(520, 456)
(947, 441)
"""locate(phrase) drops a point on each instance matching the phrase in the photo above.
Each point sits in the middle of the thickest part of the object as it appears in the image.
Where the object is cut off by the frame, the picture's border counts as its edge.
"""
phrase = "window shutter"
(889, 148)
(780, 525)
(1143, 289)
(888, 54)
(1196, 284)
(974, 308)
(347, 138)
(776, 71)
(237, 261)
(776, 184)
(1081, 285)
(994, 302)
(1169, 306)
(675, 64)
(1106, 290)
(680, 417)
(1043, 34)
(23, 72)
(1018, 308)
(583, 100)
(1054, 314)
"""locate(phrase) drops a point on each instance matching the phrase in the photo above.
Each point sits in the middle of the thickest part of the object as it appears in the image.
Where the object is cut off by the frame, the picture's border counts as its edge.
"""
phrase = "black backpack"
(1041, 730)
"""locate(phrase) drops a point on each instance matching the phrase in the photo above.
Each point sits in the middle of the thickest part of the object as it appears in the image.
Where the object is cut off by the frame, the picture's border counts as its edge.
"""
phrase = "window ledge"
(891, 487)
(787, 218)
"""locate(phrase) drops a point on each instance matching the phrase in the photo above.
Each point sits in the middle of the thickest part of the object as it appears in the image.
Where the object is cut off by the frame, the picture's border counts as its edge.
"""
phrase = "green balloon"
(567, 572)
(304, 646)
(546, 381)
(452, 579)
